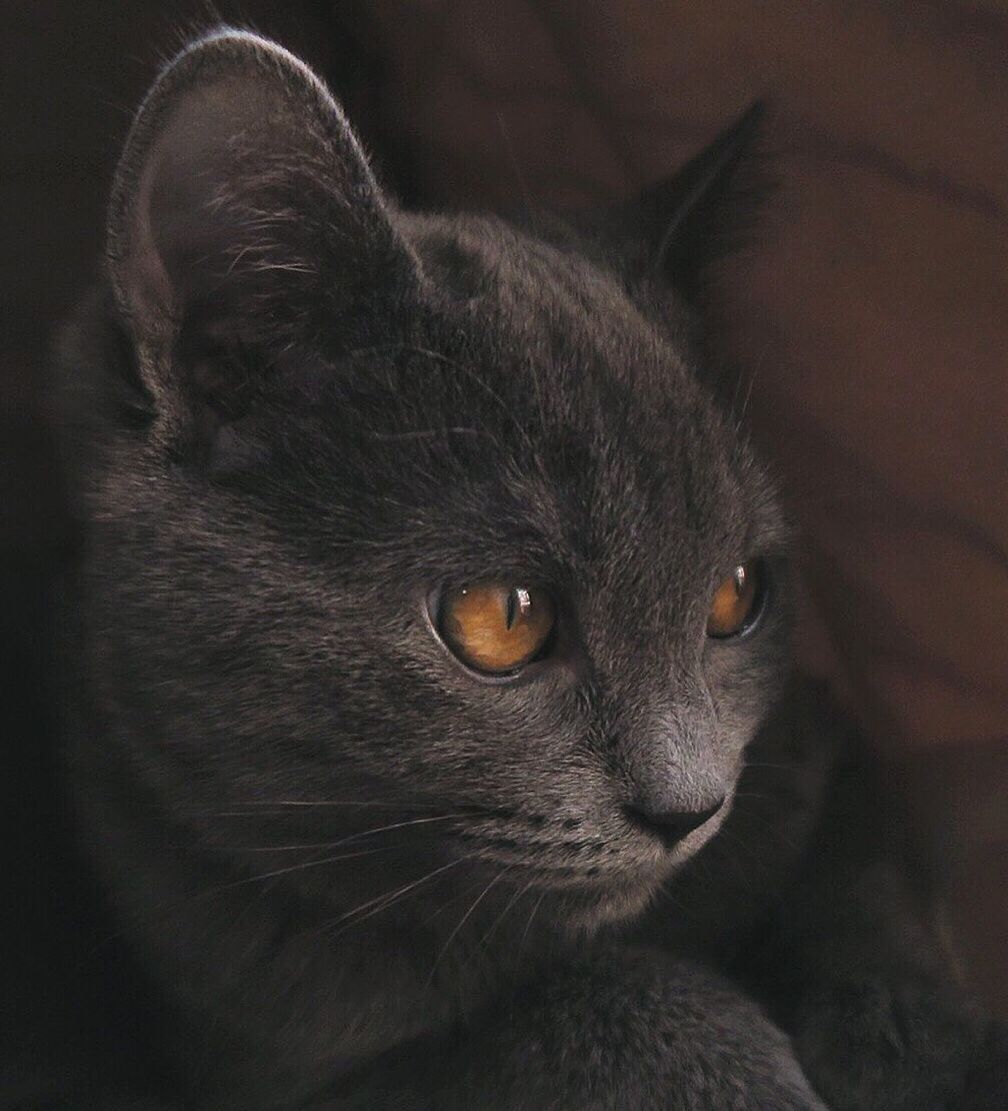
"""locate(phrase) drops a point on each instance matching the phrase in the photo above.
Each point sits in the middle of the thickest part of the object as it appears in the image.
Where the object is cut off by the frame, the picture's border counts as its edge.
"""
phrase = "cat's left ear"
(244, 215)
(684, 223)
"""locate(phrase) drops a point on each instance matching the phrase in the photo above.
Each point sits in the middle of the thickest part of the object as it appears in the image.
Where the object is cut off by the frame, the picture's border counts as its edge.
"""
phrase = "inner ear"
(245, 215)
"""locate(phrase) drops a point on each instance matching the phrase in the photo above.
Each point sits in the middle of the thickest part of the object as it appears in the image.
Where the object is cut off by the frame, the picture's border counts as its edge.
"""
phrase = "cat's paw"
(628, 1030)
(637, 1031)
(905, 1046)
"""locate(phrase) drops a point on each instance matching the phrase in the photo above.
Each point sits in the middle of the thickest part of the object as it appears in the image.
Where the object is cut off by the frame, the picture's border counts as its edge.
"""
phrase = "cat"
(431, 731)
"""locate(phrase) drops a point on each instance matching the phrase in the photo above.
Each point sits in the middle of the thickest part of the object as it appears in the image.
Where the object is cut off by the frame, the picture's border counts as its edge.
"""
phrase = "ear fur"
(244, 214)
(689, 220)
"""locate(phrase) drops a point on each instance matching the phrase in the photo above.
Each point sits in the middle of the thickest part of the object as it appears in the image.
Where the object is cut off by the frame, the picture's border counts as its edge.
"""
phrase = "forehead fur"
(568, 310)
(528, 389)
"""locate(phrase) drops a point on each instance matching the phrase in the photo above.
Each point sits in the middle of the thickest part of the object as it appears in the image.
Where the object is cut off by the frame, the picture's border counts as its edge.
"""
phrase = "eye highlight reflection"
(496, 628)
(738, 601)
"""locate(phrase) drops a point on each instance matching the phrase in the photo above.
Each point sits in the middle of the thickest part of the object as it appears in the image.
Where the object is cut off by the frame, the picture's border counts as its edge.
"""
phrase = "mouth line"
(594, 846)
(644, 834)
(596, 876)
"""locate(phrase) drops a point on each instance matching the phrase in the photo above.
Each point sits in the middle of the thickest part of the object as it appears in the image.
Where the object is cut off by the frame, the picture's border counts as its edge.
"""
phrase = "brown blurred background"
(872, 316)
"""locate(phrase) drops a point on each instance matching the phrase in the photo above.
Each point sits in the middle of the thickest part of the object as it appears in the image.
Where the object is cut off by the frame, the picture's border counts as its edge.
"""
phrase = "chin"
(588, 910)
(623, 896)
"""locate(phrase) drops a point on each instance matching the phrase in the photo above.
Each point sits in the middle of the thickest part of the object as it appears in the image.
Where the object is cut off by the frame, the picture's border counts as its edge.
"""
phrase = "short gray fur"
(295, 411)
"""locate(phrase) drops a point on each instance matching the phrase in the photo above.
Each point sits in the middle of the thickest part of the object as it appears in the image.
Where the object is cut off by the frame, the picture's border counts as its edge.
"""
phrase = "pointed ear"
(688, 221)
(244, 214)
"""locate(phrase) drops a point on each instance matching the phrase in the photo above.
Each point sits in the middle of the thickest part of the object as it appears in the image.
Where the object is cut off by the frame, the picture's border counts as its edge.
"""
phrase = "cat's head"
(416, 521)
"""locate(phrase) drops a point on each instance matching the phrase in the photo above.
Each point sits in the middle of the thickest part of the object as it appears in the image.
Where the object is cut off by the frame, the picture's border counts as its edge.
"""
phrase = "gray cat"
(432, 734)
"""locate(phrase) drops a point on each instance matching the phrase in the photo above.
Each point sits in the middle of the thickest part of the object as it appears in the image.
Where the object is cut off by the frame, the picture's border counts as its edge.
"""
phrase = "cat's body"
(351, 870)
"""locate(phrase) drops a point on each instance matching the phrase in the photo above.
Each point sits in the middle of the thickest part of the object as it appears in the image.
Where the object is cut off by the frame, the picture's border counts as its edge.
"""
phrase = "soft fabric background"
(871, 318)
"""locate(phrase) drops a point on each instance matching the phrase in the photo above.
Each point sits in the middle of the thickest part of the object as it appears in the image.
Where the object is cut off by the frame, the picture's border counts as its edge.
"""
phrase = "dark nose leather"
(671, 825)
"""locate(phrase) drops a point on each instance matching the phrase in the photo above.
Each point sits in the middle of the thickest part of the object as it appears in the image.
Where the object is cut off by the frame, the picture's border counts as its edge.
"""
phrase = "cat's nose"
(671, 826)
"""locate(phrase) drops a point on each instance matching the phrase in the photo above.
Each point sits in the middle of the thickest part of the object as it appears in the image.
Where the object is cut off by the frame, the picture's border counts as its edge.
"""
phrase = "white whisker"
(388, 899)
(519, 892)
(528, 924)
(465, 918)
(350, 838)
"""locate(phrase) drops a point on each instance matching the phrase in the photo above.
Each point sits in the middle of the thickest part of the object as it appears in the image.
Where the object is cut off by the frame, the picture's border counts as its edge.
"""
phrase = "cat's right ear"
(244, 216)
(685, 223)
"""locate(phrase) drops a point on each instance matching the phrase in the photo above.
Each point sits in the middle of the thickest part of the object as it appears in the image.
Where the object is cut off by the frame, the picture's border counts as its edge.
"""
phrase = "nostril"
(671, 825)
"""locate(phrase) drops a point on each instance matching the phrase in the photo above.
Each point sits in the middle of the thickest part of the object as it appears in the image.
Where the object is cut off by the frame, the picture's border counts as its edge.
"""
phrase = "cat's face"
(428, 525)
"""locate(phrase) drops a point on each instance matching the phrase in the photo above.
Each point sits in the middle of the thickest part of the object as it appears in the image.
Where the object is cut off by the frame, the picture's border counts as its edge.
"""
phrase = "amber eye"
(495, 627)
(737, 601)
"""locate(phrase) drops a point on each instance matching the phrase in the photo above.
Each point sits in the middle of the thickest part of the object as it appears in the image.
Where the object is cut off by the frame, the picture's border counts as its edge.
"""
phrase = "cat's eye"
(496, 628)
(738, 601)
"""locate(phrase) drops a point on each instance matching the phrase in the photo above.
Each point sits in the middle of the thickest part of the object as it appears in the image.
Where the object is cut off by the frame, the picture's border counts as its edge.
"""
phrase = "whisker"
(528, 924)
(355, 836)
(381, 803)
(388, 899)
(207, 893)
(755, 860)
(512, 159)
(305, 864)
(449, 902)
(507, 906)
(664, 894)
(465, 918)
